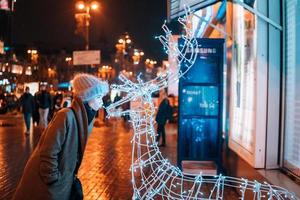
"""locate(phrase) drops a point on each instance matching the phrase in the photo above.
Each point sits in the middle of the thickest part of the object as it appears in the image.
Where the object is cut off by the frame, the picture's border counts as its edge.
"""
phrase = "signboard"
(86, 57)
(1, 47)
(4, 5)
(173, 65)
(200, 105)
(176, 7)
(17, 69)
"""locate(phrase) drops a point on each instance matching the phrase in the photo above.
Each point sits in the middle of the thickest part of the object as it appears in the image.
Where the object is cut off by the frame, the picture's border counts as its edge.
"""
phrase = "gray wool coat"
(49, 172)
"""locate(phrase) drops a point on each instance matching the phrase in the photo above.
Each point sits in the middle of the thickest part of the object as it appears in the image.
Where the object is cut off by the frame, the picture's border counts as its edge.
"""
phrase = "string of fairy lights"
(153, 176)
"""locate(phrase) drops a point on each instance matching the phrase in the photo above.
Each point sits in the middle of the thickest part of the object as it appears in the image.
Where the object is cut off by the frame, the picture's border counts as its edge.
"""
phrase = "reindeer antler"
(185, 54)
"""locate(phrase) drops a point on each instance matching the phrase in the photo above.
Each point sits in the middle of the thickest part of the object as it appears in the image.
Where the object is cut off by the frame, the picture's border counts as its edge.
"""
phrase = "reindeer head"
(185, 56)
(133, 91)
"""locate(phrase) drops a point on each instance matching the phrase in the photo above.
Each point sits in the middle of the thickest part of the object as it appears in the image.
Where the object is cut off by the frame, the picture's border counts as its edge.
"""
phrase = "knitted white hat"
(87, 87)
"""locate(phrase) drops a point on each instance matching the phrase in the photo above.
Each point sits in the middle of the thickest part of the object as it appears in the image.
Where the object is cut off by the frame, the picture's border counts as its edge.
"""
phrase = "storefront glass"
(243, 83)
(241, 71)
(291, 159)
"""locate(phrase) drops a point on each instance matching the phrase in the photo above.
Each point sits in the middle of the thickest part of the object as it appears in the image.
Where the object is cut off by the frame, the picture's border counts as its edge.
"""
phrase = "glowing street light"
(80, 5)
(137, 55)
(68, 59)
(33, 55)
(128, 41)
(94, 5)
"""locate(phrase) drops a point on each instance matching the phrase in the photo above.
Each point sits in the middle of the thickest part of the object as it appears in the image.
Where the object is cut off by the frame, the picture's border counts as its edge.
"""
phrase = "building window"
(292, 87)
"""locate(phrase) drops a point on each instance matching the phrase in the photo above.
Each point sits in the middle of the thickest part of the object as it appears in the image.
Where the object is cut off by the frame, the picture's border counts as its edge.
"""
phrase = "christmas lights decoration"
(153, 176)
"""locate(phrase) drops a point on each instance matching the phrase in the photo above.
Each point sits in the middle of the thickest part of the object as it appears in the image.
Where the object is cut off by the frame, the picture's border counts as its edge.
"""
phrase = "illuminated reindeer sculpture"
(153, 176)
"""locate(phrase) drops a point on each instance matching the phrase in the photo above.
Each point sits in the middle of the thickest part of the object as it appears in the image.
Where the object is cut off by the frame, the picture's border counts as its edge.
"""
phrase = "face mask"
(96, 103)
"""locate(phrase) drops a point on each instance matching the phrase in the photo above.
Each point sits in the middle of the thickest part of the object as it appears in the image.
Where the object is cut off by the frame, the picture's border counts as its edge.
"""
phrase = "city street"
(216, 81)
(104, 172)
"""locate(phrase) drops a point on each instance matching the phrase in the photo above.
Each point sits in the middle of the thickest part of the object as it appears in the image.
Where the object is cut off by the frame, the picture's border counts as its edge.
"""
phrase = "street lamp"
(80, 5)
(33, 55)
(128, 41)
(150, 63)
(86, 6)
(137, 56)
(67, 59)
(94, 5)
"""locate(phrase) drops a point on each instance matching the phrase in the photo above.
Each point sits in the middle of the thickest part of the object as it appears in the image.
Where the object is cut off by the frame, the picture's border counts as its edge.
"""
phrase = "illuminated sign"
(4, 82)
(4, 5)
(1, 47)
(206, 50)
(86, 57)
(17, 69)
(200, 100)
(173, 65)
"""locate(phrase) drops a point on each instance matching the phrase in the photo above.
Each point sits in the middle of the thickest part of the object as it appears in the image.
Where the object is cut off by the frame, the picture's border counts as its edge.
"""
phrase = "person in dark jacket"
(27, 104)
(44, 102)
(51, 169)
(106, 103)
(164, 114)
(35, 114)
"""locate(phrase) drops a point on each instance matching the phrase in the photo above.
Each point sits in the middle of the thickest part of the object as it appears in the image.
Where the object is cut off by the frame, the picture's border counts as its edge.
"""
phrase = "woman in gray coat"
(50, 170)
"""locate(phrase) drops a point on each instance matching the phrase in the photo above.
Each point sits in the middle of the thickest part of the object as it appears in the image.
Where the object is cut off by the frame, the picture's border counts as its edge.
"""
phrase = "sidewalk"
(105, 168)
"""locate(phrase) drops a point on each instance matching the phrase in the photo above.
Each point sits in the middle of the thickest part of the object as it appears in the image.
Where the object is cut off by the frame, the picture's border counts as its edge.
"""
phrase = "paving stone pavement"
(105, 168)
(104, 172)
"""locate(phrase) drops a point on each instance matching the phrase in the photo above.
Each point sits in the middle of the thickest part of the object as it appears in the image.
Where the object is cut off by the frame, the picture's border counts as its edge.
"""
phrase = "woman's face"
(96, 103)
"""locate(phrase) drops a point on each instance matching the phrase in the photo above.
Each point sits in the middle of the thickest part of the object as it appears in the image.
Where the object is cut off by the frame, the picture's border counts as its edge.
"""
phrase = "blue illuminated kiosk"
(200, 110)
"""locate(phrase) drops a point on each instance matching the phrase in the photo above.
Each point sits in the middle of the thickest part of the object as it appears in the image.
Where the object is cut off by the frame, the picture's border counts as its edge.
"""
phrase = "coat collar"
(81, 115)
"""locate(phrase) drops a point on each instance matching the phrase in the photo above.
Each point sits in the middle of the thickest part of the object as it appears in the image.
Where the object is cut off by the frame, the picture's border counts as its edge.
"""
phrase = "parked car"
(12, 101)
(8, 102)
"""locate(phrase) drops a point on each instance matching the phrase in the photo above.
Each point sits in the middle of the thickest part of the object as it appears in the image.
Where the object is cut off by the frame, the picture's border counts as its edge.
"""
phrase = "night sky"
(50, 24)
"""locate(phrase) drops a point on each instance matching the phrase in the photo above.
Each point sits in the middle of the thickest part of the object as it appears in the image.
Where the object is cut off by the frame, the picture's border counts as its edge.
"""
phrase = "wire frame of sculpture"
(153, 176)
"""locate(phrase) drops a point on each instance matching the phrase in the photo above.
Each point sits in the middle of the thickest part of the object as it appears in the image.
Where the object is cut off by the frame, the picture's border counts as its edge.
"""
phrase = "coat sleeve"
(170, 112)
(51, 146)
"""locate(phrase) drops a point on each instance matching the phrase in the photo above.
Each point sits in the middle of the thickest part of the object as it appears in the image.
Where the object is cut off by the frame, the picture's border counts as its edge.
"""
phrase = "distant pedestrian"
(116, 99)
(106, 103)
(126, 106)
(44, 102)
(164, 114)
(35, 114)
(57, 99)
(51, 171)
(66, 102)
(27, 104)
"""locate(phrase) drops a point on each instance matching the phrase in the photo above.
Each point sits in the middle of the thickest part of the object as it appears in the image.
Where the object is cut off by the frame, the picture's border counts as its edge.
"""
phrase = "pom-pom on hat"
(87, 87)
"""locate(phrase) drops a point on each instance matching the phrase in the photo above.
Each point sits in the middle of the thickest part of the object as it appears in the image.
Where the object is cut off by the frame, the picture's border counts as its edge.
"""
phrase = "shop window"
(291, 159)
